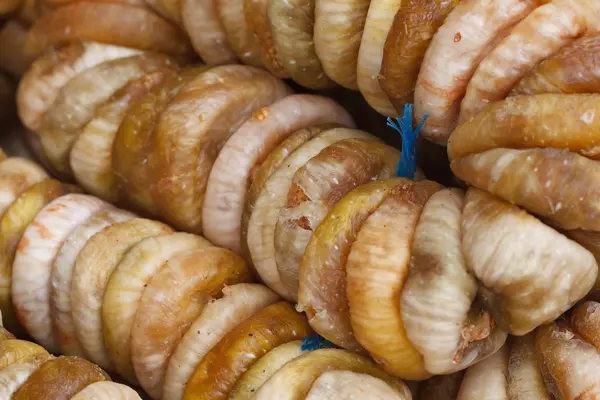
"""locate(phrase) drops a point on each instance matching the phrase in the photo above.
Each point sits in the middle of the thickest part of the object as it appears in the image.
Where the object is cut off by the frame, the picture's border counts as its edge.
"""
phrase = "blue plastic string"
(407, 166)
(315, 342)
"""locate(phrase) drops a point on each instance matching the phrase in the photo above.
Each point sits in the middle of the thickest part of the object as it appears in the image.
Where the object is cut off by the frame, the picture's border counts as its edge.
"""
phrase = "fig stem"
(407, 165)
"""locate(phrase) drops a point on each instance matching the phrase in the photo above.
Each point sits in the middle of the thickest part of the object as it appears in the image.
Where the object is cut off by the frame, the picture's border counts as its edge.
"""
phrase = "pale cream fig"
(37, 249)
(344, 385)
(451, 335)
(94, 265)
(255, 139)
(126, 286)
(273, 197)
(41, 84)
(79, 98)
(107, 391)
(61, 279)
(91, 156)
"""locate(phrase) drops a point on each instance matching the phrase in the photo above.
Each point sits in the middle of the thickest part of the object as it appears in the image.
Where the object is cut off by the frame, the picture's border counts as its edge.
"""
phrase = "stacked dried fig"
(164, 309)
(28, 371)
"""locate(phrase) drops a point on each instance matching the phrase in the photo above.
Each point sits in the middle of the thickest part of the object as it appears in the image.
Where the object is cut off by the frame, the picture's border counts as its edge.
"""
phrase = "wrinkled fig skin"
(487, 379)
(191, 130)
(574, 69)
(377, 267)
(323, 284)
(441, 387)
(525, 380)
(532, 121)
(343, 385)
(556, 271)
(450, 335)
(536, 180)
(292, 25)
(131, 147)
(414, 25)
(585, 319)
(106, 22)
(295, 379)
(79, 100)
(316, 187)
(239, 36)
(223, 366)
(74, 374)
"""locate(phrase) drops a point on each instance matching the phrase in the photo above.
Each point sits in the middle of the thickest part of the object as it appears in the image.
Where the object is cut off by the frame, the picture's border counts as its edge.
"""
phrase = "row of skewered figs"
(284, 180)
(166, 310)
(450, 57)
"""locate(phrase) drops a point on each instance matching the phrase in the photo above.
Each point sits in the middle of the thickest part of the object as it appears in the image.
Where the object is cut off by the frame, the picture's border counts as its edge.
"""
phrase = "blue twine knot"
(315, 342)
(407, 166)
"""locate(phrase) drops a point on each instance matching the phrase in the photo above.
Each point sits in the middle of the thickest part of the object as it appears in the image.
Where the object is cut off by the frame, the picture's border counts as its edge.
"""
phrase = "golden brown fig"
(532, 121)
(555, 271)
(264, 368)
(239, 36)
(111, 23)
(204, 28)
(218, 318)
(257, 18)
(93, 268)
(376, 271)
(14, 351)
(292, 25)
(131, 147)
(170, 9)
(13, 223)
(536, 180)
(91, 155)
(571, 366)
(12, 51)
(316, 187)
(413, 28)
(571, 70)
(194, 126)
(379, 21)
(220, 370)
(337, 35)
(61, 308)
(60, 379)
(9, 6)
(184, 286)
(585, 319)
(323, 291)
(263, 220)
(41, 84)
(13, 376)
(254, 140)
(295, 379)
(126, 286)
(450, 335)
(79, 99)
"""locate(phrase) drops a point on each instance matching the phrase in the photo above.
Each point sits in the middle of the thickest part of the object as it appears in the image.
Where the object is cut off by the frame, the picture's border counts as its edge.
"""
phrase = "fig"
(223, 366)
(345, 385)
(94, 265)
(80, 98)
(255, 139)
(292, 25)
(184, 286)
(34, 257)
(14, 375)
(218, 318)
(91, 156)
(104, 390)
(61, 279)
(192, 129)
(126, 287)
(239, 36)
